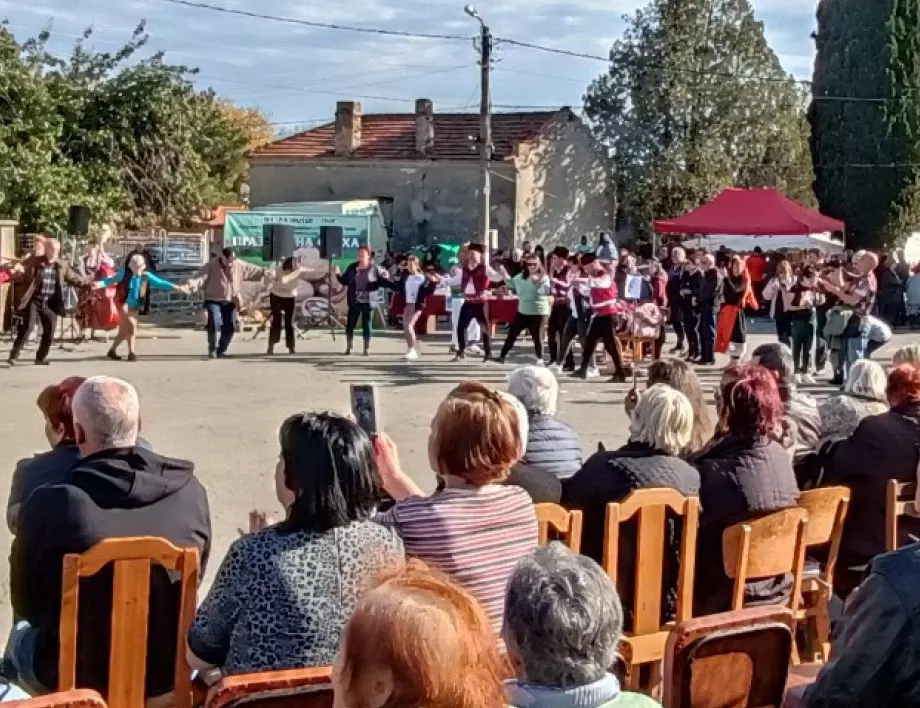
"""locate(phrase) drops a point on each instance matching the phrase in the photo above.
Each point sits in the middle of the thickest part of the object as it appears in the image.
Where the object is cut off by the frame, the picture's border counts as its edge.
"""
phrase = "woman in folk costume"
(133, 283)
(737, 294)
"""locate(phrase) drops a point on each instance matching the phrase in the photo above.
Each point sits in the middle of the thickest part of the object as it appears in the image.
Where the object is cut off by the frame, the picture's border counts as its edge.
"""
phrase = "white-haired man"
(706, 309)
(116, 490)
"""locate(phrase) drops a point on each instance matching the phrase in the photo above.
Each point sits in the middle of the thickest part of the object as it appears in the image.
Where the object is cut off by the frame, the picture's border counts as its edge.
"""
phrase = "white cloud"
(295, 72)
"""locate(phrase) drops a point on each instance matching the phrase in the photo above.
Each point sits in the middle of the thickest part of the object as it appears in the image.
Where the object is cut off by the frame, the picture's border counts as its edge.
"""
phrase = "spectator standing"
(417, 640)
(660, 431)
(757, 268)
(777, 292)
(891, 291)
(116, 490)
(691, 282)
(606, 248)
(674, 297)
(744, 473)
(327, 482)
(552, 445)
(913, 298)
(563, 624)
(221, 280)
(710, 287)
(584, 246)
(883, 447)
(47, 468)
(474, 529)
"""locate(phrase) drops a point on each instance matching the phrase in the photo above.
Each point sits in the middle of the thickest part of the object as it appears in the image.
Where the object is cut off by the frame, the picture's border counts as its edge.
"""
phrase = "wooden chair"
(764, 548)
(646, 642)
(738, 658)
(563, 522)
(79, 698)
(131, 558)
(298, 688)
(827, 512)
(899, 501)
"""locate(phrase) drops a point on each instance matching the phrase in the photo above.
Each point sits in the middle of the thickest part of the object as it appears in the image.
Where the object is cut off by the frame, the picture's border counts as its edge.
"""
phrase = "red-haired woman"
(417, 640)
(47, 467)
(883, 447)
(744, 473)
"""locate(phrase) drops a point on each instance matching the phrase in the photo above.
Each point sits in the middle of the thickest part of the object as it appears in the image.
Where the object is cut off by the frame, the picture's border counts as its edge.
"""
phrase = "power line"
(319, 25)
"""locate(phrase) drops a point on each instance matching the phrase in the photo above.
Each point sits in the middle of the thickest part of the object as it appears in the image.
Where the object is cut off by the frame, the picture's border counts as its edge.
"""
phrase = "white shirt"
(457, 280)
(414, 283)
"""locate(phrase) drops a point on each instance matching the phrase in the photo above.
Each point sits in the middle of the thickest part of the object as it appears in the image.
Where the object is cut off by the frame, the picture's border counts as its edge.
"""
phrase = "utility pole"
(485, 119)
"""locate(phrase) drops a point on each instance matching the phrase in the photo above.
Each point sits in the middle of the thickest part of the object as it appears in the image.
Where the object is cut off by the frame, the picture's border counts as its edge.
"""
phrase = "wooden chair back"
(899, 501)
(79, 698)
(131, 559)
(562, 522)
(827, 512)
(738, 658)
(297, 688)
(652, 505)
(766, 547)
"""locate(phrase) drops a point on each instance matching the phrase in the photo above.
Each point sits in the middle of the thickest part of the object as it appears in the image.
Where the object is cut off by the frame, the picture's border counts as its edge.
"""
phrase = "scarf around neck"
(592, 695)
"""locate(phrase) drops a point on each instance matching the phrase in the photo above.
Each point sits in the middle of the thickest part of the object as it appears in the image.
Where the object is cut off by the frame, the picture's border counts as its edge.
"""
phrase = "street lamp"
(473, 12)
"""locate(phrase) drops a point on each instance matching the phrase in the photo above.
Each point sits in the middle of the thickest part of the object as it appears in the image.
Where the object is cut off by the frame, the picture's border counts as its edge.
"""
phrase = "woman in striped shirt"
(474, 529)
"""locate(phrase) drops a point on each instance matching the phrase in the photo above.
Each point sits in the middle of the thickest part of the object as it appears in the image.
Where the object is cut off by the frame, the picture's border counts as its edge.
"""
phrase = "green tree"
(695, 101)
(865, 117)
(130, 137)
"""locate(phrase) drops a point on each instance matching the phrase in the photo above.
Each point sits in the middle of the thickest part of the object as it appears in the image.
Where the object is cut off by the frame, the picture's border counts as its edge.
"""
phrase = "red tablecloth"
(502, 310)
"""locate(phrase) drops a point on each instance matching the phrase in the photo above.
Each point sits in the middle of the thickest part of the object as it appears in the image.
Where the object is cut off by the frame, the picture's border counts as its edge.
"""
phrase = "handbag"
(838, 317)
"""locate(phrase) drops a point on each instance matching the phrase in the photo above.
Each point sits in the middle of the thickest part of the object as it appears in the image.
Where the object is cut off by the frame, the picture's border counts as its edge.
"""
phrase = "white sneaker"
(555, 369)
(798, 379)
(474, 349)
(538, 362)
(412, 355)
(808, 380)
(593, 373)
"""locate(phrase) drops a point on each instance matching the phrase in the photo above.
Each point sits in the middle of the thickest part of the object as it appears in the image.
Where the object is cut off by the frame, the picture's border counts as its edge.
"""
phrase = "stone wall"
(430, 199)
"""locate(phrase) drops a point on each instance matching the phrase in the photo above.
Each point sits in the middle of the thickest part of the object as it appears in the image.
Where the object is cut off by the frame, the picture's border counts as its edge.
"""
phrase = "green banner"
(243, 230)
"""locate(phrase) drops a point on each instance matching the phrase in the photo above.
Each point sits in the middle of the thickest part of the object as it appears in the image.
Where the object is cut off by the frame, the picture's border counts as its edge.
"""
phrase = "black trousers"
(601, 330)
(691, 322)
(784, 328)
(356, 310)
(468, 312)
(707, 332)
(821, 344)
(677, 322)
(36, 311)
(533, 324)
(282, 312)
(558, 318)
(574, 327)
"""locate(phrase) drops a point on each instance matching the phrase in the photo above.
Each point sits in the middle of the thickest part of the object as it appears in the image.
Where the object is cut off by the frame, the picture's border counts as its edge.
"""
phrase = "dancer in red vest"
(605, 305)
(474, 281)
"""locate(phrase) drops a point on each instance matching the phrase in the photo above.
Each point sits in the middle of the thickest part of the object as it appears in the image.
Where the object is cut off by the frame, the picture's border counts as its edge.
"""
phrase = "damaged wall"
(430, 199)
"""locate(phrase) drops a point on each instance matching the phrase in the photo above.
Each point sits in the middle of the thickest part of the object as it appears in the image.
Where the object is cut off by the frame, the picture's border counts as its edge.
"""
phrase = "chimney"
(424, 126)
(347, 128)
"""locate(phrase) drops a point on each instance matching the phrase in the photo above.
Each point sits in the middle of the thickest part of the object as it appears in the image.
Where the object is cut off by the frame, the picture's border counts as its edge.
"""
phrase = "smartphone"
(365, 409)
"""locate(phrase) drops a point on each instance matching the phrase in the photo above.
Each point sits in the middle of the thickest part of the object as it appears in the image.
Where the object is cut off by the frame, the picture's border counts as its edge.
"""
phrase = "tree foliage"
(129, 136)
(866, 117)
(695, 101)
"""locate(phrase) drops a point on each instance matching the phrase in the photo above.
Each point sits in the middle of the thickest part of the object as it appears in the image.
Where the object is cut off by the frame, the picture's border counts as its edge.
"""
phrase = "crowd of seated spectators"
(439, 599)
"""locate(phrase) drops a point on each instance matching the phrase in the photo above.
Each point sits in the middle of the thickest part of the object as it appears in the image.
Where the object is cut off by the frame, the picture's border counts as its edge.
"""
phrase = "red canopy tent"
(751, 212)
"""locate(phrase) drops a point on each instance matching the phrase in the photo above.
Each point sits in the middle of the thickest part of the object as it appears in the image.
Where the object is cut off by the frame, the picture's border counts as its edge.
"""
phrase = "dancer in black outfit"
(559, 315)
(361, 279)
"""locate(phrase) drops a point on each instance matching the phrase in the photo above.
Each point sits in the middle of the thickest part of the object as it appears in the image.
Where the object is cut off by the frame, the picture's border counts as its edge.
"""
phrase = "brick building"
(550, 178)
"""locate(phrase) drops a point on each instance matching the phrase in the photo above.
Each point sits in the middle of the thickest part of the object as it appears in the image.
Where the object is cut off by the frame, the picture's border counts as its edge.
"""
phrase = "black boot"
(113, 355)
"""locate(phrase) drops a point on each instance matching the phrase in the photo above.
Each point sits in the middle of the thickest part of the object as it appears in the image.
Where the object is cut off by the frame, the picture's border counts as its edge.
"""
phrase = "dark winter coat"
(876, 652)
(610, 477)
(111, 494)
(741, 478)
(41, 470)
(552, 446)
(883, 447)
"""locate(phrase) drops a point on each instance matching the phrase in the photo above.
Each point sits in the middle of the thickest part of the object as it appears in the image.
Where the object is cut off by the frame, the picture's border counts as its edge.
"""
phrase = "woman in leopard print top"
(282, 595)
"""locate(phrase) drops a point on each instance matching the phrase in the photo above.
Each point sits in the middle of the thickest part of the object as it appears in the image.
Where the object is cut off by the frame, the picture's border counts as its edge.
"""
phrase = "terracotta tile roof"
(391, 136)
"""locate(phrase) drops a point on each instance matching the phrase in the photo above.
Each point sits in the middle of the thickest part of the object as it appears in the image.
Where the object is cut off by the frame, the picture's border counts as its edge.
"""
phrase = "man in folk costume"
(560, 278)
(737, 294)
(605, 306)
(474, 279)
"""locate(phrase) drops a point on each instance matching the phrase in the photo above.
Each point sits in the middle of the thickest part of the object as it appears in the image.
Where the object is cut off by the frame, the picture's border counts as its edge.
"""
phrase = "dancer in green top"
(532, 286)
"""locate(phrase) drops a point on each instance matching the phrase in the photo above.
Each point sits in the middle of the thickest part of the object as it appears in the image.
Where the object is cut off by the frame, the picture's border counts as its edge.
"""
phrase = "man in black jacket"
(116, 490)
(706, 309)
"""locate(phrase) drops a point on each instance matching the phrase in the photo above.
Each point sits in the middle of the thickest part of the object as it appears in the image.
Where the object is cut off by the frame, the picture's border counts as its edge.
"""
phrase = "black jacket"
(541, 486)
(875, 658)
(31, 473)
(610, 477)
(740, 479)
(883, 447)
(709, 286)
(553, 446)
(350, 281)
(111, 494)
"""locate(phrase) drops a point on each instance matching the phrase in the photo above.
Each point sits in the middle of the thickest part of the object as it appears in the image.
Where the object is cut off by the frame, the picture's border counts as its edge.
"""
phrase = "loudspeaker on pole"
(277, 242)
(330, 242)
(78, 221)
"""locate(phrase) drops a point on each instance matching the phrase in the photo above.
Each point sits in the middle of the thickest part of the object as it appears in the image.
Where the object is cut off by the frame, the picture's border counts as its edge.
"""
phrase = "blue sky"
(296, 73)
